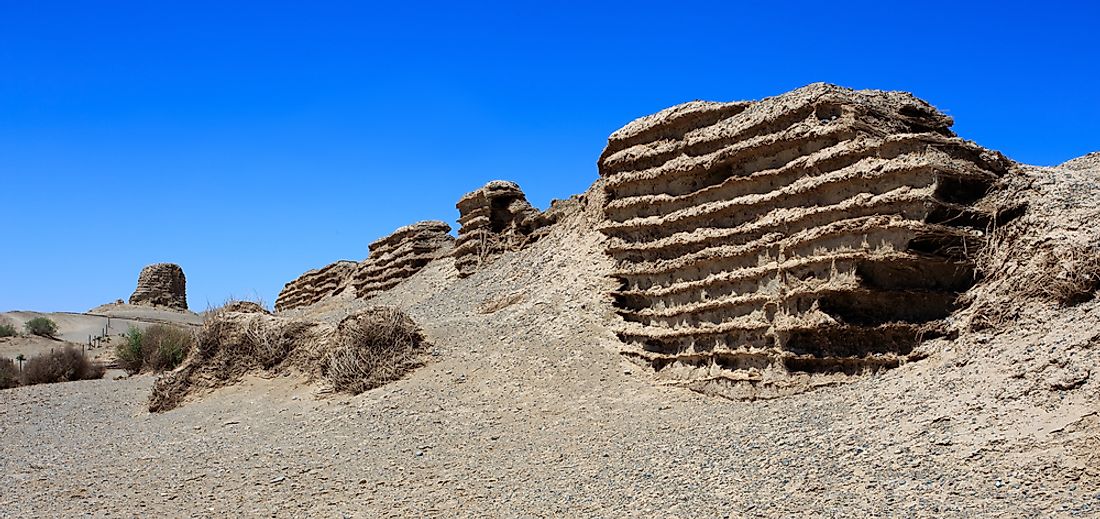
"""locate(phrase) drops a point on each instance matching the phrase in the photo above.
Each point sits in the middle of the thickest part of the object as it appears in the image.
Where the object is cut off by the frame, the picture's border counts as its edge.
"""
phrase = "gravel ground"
(529, 411)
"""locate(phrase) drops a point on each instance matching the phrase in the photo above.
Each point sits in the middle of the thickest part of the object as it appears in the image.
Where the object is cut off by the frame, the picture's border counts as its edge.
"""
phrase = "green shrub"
(164, 347)
(41, 326)
(7, 330)
(158, 348)
(128, 353)
(9, 374)
(64, 365)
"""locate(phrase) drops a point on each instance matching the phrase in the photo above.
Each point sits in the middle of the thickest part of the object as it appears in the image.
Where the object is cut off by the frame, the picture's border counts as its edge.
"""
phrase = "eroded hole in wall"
(733, 361)
(870, 308)
(921, 118)
(958, 216)
(854, 341)
(951, 245)
(899, 274)
(834, 365)
(827, 112)
(961, 189)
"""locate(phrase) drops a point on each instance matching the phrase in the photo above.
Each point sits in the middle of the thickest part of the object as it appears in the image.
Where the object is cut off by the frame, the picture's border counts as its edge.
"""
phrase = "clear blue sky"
(251, 141)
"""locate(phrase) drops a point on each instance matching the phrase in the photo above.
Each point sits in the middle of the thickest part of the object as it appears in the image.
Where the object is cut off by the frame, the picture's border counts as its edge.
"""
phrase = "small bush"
(164, 347)
(64, 365)
(128, 354)
(41, 326)
(9, 374)
(7, 330)
(158, 348)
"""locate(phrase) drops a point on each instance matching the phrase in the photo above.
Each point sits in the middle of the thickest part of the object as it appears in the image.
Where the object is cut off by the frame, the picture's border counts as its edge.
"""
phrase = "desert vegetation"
(9, 374)
(7, 330)
(41, 326)
(371, 349)
(363, 351)
(158, 348)
(62, 365)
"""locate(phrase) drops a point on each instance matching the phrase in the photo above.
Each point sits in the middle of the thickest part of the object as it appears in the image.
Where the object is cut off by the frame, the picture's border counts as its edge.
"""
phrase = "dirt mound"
(391, 260)
(244, 307)
(161, 284)
(494, 219)
(767, 247)
(364, 350)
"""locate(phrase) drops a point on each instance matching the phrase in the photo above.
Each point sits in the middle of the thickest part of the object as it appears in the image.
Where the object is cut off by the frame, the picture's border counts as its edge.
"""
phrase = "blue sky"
(251, 141)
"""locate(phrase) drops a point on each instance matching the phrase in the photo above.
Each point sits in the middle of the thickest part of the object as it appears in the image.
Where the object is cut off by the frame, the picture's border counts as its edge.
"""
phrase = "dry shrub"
(7, 330)
(1067, 275)
(371, 349)
(9, 374)
(64, 365)
(1016, 270)
(365, 350)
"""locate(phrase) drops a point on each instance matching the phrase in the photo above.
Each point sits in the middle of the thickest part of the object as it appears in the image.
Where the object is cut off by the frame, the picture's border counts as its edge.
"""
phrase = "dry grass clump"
(64, 365)
(1067, 275)
(1017, 268)
(9, 374)
(158, 348)
(371, 349)
(363, 351)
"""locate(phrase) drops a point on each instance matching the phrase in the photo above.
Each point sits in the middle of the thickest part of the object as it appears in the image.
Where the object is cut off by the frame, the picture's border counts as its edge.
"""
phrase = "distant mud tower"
(494, 219)
(391, 260)
(161, 284)
(767, 247)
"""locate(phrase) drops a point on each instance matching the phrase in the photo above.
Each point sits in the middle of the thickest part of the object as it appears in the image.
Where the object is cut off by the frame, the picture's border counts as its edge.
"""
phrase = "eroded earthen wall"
(765, 247)
(400, 255)
(495, 219)
(315, 285)
(391, 260)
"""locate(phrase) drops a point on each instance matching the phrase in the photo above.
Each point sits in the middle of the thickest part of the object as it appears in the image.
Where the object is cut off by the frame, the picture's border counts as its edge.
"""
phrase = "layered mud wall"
(161, 284)
(766, 247)
(495, 219)
(391, 260)
(315, 285)
(400, 255)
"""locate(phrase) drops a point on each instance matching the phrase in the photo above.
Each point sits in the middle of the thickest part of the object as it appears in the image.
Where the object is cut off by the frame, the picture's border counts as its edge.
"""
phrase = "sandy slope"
(529, 410)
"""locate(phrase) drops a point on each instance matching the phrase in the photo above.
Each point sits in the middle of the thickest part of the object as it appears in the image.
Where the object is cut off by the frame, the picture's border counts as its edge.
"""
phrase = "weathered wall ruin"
(494, 219)
(315, 285)
(400, 255)
(161, 284)
(765, 247)
(391, 260)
